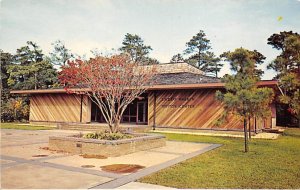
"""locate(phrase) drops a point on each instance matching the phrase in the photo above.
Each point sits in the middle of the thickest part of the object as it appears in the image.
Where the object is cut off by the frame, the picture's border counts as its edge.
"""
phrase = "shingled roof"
(183, 78)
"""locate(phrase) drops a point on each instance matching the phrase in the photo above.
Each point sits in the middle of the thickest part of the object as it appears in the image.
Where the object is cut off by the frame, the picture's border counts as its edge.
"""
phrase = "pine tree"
(177, 58)
(60, 54)
(213, 64)
(135, 47)
(242, 97)
(199, 56)
(29, 69)
(287, 65)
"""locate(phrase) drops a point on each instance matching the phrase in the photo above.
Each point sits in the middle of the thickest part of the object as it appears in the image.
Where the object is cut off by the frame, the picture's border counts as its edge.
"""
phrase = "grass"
(23, 127)
(269, 164)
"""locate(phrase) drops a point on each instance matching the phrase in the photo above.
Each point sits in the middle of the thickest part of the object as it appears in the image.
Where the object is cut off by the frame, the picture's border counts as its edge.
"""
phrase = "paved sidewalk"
(25, 165)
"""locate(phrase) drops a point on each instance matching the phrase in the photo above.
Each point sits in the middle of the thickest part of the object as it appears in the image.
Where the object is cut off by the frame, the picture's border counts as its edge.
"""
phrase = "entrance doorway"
(135, 113)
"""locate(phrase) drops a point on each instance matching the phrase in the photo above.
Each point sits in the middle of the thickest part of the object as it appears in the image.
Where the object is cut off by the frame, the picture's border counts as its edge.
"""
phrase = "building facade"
(182, 97)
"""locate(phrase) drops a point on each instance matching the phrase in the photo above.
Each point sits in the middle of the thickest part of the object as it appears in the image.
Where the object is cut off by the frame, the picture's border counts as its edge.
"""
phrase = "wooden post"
(81, 101)
(154, 111)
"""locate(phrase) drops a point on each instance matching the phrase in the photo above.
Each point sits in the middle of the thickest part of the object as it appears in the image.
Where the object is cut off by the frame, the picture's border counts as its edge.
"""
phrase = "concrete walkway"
(263, 135)
(25, 163)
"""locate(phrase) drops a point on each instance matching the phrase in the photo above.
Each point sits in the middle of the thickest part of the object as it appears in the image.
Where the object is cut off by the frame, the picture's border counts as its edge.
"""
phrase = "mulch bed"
(87, 166)
(122, 168)
(40, 155)
(93, 156)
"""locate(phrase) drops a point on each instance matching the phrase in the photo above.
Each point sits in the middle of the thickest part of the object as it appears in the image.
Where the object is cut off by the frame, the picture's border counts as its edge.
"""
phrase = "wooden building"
(182, 98)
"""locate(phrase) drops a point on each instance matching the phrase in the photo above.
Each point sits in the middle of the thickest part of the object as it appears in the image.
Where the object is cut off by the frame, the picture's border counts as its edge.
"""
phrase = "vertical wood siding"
(195, 109)
(59, 108)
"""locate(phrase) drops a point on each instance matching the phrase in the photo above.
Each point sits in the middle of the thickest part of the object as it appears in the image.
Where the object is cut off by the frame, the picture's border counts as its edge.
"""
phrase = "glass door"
(142, 113)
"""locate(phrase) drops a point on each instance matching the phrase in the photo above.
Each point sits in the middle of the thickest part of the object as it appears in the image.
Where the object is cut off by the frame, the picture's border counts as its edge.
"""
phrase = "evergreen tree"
(287, 66)
(60, 54)
(177, 58)
(12, 109)
(29, 70)
(28, 54)
(6, 61)
(149, 61)
(135, 47)
(242, 97)
(198, 50)
(212, 63)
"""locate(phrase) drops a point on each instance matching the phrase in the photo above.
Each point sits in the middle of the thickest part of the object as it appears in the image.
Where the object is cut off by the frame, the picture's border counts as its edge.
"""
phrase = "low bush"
(107, 136)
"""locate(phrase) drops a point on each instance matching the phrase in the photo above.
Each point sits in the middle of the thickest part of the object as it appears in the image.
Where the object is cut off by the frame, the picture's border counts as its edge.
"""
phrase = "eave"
(266, 83)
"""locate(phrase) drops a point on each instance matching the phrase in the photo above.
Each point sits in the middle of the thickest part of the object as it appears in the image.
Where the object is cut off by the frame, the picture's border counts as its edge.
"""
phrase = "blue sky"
(165, 25)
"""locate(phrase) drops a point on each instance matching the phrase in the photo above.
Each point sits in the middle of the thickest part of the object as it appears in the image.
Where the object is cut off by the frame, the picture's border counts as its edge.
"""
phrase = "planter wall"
(106, 147)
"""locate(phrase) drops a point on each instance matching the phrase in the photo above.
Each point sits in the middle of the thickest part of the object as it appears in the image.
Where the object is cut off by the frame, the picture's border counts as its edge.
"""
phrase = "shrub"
(107, 136)
(15, 109)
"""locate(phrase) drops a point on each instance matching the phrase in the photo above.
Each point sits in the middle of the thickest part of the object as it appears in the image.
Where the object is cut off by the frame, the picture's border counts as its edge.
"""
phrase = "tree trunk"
(249, 128)
(255, 126)
(116, 126)
(111, 128)
(15, 114)
(245, 135)
(35, 81)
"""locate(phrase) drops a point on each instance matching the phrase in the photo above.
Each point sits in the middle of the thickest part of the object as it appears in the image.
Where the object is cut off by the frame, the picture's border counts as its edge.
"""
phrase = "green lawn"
(23, 127)
(269, 164)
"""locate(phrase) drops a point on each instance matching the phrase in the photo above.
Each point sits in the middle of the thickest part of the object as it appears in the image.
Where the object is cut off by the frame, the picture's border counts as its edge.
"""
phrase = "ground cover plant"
(268, 164)
(107, 136)
(20, 126)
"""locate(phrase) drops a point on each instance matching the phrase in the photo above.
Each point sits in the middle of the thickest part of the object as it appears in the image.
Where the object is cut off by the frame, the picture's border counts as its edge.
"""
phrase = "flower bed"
(108, 148)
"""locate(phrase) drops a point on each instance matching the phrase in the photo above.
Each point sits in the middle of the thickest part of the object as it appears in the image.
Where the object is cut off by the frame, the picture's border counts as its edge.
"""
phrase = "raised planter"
(109, 148)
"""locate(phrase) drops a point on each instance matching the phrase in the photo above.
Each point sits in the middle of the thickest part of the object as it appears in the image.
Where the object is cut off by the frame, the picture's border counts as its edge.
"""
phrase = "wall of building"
(194, 109)
(59, 108)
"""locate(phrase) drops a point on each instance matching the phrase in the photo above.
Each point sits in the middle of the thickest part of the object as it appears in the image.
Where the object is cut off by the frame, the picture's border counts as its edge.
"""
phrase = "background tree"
(196, 47)
(135, 47)
(112, 83)
(242, 96)
(212, 63)
(287, 66)
(28, 54)
(198, 50)
(60, 54)
(177, 58)
(149, 61)
(29, 69)
(6, 61)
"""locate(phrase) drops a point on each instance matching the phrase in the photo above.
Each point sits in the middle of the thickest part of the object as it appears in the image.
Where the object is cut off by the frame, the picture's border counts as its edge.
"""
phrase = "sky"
(165, 25)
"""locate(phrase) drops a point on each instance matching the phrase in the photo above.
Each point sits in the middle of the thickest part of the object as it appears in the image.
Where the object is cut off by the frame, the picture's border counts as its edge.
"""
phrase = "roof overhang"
(266, 83)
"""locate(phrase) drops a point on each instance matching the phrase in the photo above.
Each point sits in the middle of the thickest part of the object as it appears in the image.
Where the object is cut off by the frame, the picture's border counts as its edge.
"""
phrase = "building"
(182, 97)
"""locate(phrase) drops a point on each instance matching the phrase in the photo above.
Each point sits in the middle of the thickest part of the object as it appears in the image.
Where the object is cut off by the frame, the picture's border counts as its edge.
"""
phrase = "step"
(278, 131)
